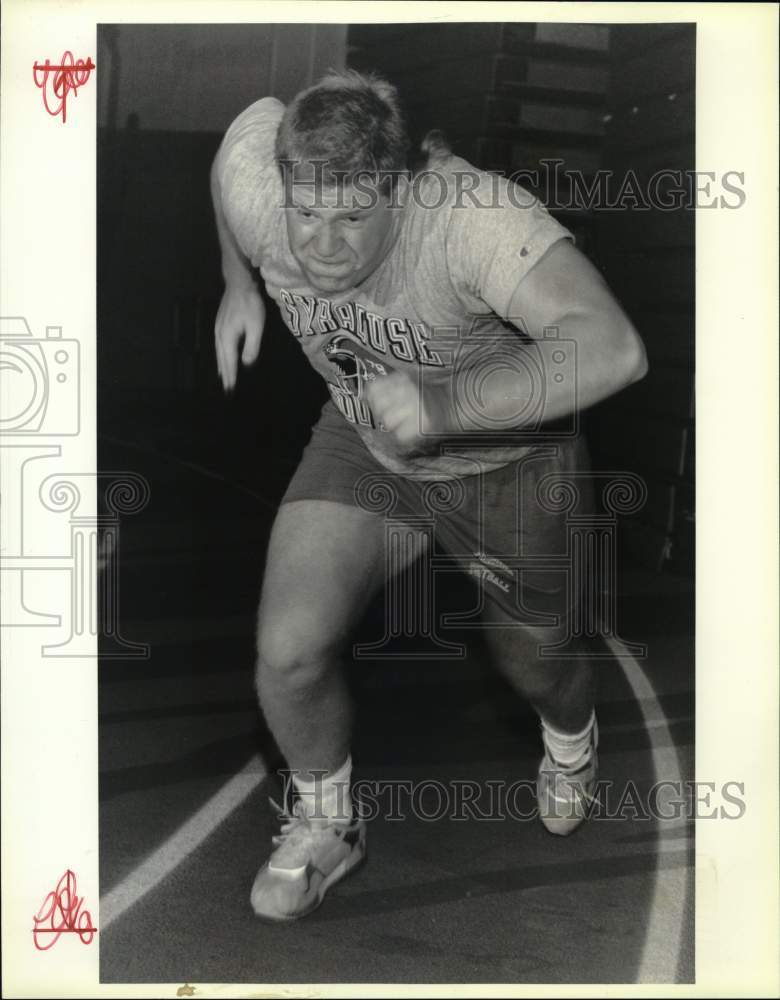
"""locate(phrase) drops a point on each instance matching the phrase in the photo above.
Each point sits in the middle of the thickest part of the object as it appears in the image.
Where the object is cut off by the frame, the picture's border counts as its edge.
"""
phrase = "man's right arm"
(241, 313)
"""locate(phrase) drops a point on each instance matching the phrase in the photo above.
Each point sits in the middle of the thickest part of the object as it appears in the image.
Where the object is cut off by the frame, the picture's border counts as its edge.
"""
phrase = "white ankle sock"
(327, 797)
(567, 748)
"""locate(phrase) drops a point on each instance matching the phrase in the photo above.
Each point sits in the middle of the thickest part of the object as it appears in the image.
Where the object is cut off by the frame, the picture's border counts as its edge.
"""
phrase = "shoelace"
(296, 833)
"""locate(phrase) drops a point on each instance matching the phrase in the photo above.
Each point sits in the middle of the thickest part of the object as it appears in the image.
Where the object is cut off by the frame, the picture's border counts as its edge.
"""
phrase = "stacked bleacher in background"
(509, 96)
(593, 97)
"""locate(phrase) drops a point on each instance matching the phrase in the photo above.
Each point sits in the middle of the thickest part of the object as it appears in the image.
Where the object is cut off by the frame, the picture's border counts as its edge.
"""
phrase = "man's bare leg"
(325, 562)
(561, 691)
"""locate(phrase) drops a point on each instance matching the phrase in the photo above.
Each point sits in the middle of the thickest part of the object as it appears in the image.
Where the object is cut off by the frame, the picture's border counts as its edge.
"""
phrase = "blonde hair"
(350, 121)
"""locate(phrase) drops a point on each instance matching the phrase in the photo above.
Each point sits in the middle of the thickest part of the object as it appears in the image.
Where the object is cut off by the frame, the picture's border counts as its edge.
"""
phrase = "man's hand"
(241, 316)
(416, 425)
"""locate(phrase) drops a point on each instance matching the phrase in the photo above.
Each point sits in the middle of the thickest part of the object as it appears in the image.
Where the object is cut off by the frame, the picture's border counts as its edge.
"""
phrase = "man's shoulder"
(246, 156)
(453, 185)
(256, 125)
(250, 184)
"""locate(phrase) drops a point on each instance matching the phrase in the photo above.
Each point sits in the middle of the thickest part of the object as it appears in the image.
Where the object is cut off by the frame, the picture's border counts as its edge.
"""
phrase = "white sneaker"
(564, 794)
(310, 857)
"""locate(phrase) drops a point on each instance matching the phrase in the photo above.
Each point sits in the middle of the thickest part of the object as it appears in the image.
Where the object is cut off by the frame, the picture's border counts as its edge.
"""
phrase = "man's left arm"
(564, 291)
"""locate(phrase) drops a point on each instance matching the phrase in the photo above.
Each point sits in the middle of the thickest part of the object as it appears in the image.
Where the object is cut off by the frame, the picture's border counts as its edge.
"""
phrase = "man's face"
(339, 235)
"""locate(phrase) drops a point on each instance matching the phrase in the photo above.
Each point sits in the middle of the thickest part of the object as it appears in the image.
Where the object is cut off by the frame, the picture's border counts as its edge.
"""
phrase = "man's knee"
(296, 649)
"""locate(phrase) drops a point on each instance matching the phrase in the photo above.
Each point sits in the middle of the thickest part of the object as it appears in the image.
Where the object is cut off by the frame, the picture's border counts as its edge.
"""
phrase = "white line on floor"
(664, 933)
(660, 954)
(180, 845)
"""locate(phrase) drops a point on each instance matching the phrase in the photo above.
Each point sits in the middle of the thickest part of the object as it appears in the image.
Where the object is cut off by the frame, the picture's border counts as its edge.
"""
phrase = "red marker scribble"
(61, 913)
(66, 77)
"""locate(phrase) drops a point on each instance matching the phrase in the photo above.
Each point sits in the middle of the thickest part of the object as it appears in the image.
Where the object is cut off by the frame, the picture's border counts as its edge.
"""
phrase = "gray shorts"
(506, 528)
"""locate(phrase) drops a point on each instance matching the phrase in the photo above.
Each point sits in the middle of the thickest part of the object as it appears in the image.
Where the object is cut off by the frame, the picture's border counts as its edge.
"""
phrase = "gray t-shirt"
(433, 308)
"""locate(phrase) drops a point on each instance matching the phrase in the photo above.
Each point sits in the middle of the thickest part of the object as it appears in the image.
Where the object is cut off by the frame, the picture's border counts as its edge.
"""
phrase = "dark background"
(614, 97)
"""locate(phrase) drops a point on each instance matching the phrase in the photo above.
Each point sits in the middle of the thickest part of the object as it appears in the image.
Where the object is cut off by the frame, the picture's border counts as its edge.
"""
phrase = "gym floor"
(184, 785)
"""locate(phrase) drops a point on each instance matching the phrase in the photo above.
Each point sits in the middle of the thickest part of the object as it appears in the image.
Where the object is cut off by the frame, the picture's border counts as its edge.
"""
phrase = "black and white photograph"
(473, 657)
(394, 576)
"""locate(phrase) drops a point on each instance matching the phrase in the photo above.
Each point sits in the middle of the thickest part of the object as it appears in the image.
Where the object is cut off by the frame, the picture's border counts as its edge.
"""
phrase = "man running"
(459, 332)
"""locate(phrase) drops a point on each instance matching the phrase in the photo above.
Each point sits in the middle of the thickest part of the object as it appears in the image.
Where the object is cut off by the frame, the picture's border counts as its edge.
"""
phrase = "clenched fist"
(417, 424)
